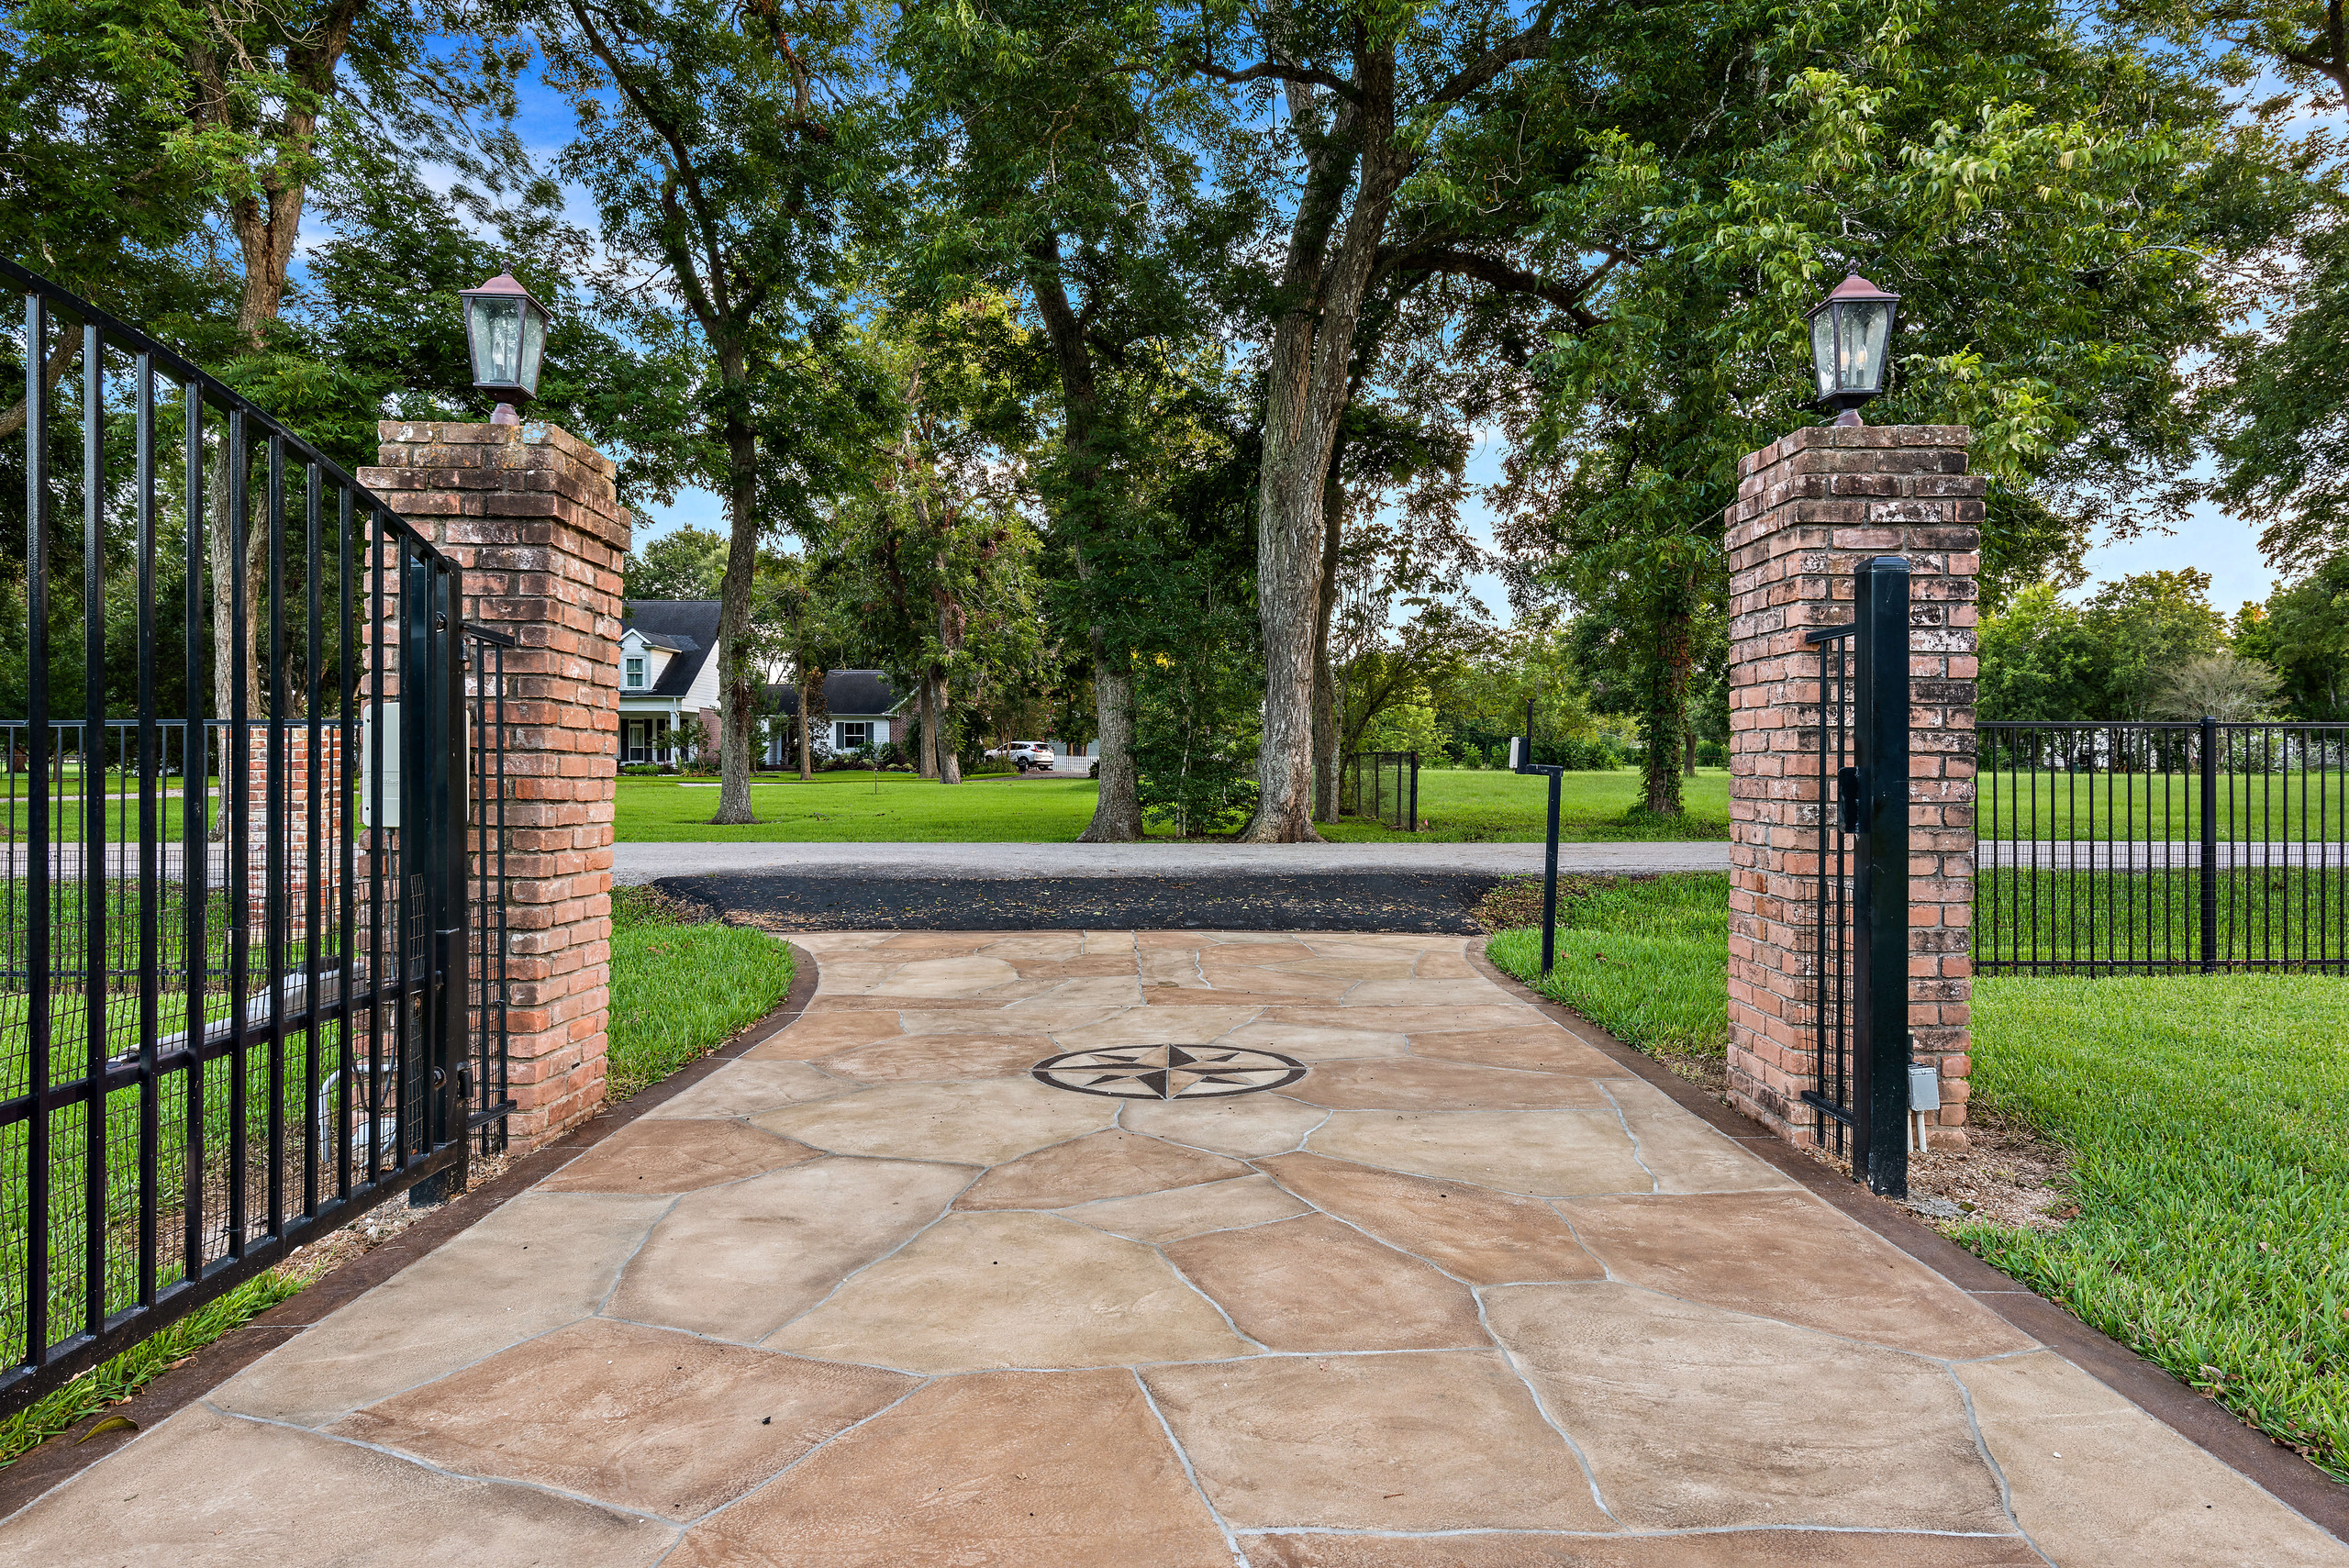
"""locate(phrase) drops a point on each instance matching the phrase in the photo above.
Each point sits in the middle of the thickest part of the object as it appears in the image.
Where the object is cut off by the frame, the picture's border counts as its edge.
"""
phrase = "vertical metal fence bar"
(237, 797)
(2210, 846)
(378, 976)
(37, 912)
(196, 813)
(505, 939)
(151, 884)
(346, 800)
(94, 981)
(313, 894)
(274, 895)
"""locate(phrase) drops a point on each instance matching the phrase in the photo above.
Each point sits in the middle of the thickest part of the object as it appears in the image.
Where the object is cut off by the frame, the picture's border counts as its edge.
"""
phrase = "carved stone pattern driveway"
(871, 1297)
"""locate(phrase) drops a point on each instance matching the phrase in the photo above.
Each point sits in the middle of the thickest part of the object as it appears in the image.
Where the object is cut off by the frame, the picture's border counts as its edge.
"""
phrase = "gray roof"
(686, 627)
(848, 694)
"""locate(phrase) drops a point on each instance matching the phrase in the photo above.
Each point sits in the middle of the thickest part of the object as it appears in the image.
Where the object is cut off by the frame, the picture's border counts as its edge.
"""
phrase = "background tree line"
(1118, 370)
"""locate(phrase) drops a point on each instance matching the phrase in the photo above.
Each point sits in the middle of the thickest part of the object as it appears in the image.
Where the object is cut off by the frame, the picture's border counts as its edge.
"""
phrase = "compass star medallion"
(1169, 1072)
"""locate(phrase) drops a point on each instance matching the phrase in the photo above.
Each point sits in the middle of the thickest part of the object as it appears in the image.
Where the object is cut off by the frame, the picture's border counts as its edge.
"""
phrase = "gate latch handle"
(1847, 792)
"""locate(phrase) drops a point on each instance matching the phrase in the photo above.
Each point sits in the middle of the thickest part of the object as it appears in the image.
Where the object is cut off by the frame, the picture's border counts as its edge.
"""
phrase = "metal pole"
(1549, 878)
(1415, 792)
(1880, 935)
(1526, 765)
(2210, 844)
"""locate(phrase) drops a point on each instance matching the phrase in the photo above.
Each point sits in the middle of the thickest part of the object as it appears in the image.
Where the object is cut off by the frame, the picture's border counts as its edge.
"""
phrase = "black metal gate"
(1859, 1017)
(251, 887)
(1384, 785)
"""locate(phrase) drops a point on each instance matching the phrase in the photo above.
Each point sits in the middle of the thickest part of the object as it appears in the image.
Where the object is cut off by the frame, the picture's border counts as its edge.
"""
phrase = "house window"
(635, 671)
(853, 732)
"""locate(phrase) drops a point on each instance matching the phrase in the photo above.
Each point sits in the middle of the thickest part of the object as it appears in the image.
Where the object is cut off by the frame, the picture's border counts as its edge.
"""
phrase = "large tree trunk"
(1116, 811)
(811, 692)
(925, 748)
(942, 738)
(1325, 683)
(1667, 716)
(1117, 816)
(738, 675)
(1307, 383)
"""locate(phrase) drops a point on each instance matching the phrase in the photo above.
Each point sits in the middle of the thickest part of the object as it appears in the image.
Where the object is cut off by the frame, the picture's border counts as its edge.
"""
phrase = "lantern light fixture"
(506, 333)
(1851, 344)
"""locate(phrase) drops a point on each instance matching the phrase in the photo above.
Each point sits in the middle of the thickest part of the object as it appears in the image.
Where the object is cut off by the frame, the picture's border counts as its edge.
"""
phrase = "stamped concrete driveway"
(1320, 1252)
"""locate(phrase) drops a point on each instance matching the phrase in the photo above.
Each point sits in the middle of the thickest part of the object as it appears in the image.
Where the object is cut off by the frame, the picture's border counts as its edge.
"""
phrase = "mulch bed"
(1439, 902)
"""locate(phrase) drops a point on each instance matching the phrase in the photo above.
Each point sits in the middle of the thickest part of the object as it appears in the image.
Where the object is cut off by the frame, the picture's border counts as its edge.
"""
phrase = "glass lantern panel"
(498, 340)
(1862, 327)
(534, 342)
(1823, 349)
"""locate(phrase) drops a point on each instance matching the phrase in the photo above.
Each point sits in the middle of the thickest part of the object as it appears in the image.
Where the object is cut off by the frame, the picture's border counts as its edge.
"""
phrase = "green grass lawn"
(1642, 959)
(2025, 917)
(2208, 1123)
(2206, 1119)
(849, 808)
(681, 987)
(2159, 806)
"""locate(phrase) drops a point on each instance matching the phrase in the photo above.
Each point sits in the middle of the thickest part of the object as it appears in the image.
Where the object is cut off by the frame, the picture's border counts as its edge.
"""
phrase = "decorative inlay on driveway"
(1445, 1287)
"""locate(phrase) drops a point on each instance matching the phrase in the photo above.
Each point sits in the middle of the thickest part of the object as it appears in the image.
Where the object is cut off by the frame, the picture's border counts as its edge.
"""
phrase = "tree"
(723, 183)
(1943, 160)
(2109, 657)
(2223, 685)
(2302, 634)
(1363, 96)
(938, 555)
(1060, 174)
(2274, 391)
(685, 563)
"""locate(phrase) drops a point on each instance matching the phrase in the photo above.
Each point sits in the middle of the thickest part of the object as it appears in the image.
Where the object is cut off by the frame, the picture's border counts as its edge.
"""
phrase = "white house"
(860, 710)
(668, 676)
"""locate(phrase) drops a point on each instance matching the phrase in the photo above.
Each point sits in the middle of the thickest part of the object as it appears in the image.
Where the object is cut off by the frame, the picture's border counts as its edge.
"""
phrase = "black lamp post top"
(1851, 344)
(506, 333)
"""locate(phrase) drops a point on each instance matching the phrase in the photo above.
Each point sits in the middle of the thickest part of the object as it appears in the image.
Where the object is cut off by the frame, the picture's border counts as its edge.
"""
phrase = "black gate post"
(1525, 765)
(1880, 934)
(443, 861)
(2209, 845)
(1415, 793)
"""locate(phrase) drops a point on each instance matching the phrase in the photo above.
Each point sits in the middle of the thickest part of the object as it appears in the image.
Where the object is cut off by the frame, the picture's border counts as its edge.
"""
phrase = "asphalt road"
(1229, 901)
(646, 863)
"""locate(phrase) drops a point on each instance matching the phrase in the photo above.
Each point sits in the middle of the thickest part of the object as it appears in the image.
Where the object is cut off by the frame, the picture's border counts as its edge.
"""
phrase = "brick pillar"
(1810, 507)
(299, 830)
(529, 511)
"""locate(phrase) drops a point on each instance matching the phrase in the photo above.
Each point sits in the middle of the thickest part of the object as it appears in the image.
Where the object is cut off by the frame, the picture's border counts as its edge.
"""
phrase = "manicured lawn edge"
(681, 984)
(2213, 1232)
(113, 1381)
(2206, 1423)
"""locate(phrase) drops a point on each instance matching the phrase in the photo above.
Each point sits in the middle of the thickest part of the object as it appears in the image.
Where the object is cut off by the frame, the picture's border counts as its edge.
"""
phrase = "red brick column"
(299, 830)
(529, 512)
(1810, 507)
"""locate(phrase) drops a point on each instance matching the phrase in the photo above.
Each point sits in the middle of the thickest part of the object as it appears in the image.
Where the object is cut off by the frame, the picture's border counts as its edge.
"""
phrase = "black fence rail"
(251, 951)
(2150, 847)
(1382, 785)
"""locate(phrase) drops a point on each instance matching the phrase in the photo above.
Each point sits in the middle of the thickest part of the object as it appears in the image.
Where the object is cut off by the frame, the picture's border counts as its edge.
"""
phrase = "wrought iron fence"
(251, 927)
(1384, 785)
(2147, 847)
